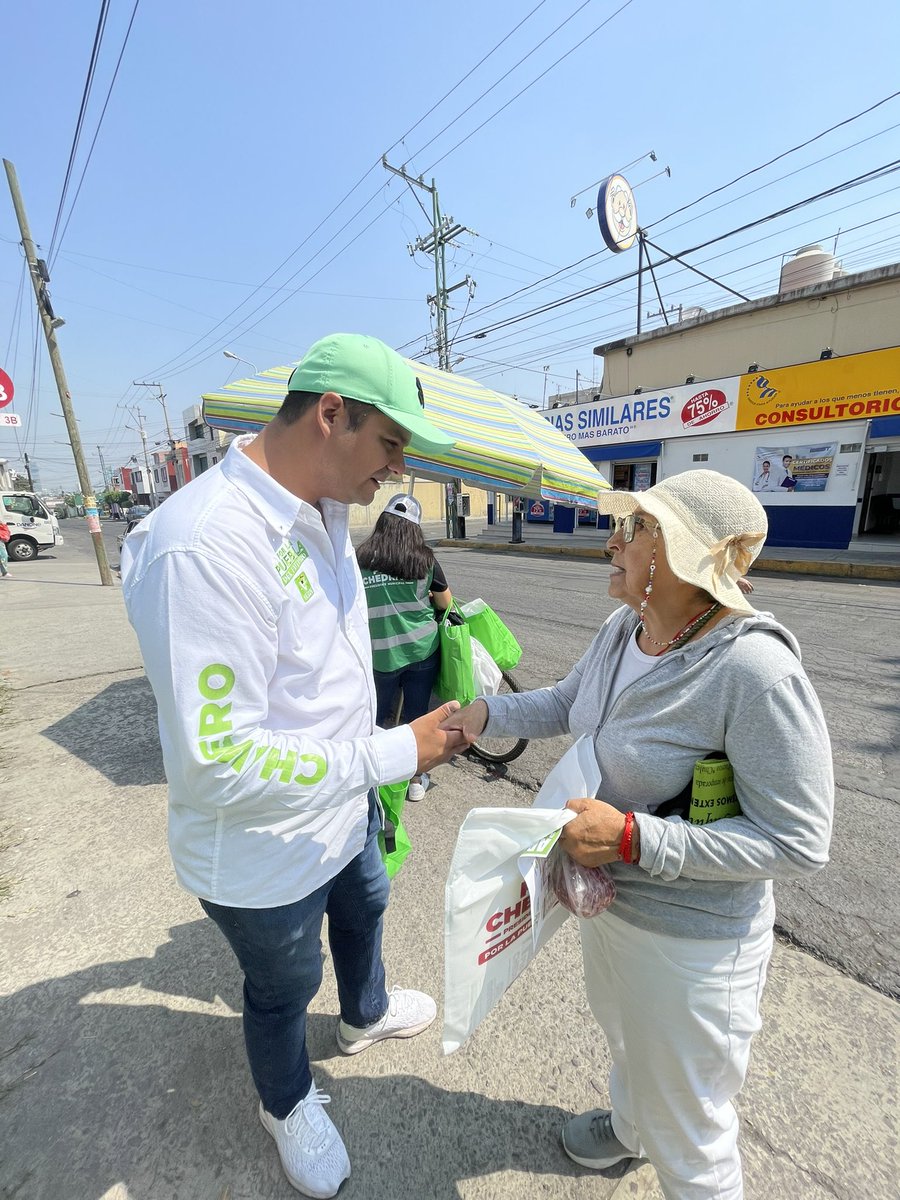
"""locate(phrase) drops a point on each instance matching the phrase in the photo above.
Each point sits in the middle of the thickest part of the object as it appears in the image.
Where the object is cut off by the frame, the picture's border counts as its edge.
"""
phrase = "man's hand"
(436, 743)
(594, 836)
(469, 721)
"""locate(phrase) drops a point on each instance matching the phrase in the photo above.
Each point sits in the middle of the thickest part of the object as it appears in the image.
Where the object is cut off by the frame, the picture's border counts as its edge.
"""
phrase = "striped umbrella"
(500, 445)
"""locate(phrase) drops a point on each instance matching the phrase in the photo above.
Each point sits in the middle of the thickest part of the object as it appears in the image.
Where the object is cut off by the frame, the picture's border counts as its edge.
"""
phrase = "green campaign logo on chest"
(288, 561)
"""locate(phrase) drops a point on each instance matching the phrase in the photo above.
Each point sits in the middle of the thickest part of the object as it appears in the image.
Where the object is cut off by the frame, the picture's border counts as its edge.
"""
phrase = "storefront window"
(634, 476)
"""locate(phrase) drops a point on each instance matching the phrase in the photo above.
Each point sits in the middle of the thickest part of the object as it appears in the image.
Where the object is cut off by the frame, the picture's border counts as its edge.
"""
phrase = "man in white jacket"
(248, 604)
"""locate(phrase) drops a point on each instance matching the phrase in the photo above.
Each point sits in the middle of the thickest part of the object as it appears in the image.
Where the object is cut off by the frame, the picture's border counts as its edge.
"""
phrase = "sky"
(234, 197)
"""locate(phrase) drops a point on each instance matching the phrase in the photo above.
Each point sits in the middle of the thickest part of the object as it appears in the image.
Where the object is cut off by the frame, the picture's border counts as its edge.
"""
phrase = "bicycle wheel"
(501, 749)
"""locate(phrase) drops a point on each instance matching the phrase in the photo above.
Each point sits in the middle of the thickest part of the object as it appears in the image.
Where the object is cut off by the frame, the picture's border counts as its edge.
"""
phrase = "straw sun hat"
(712, 526)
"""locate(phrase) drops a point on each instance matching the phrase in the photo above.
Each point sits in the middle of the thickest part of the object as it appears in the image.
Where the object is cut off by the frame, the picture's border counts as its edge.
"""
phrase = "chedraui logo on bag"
(288, 561)
(504, 926)
(214, 729)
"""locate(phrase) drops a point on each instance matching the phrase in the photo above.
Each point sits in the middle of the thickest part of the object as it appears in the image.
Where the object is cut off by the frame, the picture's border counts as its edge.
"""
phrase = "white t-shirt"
(632, 665)
(252, 620)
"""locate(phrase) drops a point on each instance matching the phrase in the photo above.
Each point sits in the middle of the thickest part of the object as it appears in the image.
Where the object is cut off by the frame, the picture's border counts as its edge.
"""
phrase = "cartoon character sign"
(617, 213)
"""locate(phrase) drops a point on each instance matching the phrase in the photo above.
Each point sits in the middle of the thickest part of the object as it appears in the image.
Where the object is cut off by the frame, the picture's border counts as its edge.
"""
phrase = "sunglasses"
(627, 525)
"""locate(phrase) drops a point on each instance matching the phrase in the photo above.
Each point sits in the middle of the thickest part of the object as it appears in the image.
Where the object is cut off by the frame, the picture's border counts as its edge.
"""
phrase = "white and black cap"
(404, 506)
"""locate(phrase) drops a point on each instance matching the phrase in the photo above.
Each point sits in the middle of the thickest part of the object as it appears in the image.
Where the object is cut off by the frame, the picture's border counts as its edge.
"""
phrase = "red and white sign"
(6, 389)
(537, 510)
(8, 419)
(703, 408)
(650, 416)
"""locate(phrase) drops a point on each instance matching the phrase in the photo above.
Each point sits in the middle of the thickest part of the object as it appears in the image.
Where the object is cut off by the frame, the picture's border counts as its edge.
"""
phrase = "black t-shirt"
(439, 582)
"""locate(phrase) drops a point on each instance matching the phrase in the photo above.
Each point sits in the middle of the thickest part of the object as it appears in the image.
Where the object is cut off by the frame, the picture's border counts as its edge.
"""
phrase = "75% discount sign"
(6, 394)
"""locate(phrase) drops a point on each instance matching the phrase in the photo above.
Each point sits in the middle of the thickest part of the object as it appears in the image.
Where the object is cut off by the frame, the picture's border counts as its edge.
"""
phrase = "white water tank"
(811, 264)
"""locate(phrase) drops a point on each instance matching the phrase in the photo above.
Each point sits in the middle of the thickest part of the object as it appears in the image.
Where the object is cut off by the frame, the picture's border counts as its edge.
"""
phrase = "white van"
(32, 527)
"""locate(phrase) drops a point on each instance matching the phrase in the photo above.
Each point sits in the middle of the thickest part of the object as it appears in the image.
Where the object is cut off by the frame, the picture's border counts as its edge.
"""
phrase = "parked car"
(130, 524)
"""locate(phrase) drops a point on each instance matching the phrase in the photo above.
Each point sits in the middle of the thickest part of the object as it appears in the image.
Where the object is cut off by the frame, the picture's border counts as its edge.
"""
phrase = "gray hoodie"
(741, 690)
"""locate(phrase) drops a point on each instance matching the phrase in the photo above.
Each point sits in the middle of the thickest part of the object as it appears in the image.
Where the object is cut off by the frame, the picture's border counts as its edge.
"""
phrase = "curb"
(889, 572)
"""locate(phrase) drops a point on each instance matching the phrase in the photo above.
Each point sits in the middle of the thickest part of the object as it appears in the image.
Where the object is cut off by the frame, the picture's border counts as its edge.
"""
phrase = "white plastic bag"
(498, 892)
(488, 675)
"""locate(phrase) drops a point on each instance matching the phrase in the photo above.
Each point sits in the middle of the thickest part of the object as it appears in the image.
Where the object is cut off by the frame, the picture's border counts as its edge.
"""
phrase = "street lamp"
(237, 358)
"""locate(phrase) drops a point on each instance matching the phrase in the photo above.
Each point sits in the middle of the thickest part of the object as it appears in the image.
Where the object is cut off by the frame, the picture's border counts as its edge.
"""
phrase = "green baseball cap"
(363, 368)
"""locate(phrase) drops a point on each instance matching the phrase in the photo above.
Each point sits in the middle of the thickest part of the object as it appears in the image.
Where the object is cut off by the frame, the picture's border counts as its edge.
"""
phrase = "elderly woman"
(684, 671)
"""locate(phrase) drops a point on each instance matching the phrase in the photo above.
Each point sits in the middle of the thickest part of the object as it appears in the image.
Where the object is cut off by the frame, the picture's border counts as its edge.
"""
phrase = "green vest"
(401, 620)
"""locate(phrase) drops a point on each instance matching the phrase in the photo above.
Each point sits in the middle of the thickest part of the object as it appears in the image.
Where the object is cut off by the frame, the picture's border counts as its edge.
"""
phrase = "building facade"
(797, 395)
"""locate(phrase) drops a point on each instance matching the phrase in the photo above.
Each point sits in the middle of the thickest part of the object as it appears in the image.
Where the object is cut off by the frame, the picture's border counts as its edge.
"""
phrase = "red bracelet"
(627, 834)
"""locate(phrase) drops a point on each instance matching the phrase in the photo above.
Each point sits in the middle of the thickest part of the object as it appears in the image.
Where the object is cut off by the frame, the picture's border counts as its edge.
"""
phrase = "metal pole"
(28, 473)
(640, 276)
(103, 468)
(62, 386)
(151, 482)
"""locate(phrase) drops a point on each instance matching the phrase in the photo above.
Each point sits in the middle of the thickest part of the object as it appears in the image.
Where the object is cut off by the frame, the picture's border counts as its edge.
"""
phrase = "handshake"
(448, 730)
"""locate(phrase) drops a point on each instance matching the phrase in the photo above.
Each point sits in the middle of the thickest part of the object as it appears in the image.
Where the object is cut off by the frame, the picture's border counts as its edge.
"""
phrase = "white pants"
(679, 1015)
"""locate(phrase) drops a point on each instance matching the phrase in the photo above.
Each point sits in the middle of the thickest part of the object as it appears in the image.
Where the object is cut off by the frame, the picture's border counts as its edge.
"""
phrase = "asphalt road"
(849, 914)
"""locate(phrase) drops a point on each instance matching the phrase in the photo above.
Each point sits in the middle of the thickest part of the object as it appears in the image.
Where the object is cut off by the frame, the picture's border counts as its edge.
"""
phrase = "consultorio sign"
(835, 389)
(839, 389)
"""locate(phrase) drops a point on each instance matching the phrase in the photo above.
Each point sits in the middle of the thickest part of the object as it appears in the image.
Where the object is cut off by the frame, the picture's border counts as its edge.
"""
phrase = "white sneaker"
(408, 1013)
(310, 1148)
(416, 791)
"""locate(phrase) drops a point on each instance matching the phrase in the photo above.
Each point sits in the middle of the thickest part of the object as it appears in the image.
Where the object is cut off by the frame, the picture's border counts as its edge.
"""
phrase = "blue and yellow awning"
(500, 445)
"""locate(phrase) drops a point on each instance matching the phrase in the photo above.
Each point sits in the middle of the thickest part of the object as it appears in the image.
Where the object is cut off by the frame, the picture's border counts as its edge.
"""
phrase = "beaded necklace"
(693, 626)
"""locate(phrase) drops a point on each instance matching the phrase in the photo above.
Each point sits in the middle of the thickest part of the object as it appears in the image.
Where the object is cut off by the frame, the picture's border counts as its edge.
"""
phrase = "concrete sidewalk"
(122, 1075)
(865, 558)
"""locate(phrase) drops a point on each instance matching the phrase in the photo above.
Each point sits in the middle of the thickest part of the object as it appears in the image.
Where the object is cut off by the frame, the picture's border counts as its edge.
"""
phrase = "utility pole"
(151, 482)
(443, 230)
(161, 397)
(40, 277)
(103, 469)
(28, 473)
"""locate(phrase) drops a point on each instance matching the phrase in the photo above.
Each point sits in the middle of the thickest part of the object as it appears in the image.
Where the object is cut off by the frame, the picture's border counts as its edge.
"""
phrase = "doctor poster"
(788, 469)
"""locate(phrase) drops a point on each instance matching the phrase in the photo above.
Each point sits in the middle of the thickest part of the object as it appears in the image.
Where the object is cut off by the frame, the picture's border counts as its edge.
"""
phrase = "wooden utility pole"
(37, 269)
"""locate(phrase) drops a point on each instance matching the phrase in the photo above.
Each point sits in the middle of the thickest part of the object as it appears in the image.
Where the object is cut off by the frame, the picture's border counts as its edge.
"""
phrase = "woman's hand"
(470, 721)
(594, 836)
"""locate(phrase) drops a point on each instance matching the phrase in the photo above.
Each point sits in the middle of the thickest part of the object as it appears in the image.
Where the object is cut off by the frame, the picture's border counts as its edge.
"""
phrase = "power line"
(562, 57)
(53, 253)
(777, 158)
(85, 95)
(165, 367)
(867, 177)
(571, 267)
(505, 75)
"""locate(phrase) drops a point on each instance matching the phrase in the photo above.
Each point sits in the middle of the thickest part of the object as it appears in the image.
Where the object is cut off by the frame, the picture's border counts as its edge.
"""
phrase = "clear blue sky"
(234, 130)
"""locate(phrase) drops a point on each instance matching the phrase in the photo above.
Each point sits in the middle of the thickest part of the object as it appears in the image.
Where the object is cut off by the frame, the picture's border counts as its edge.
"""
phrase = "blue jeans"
(280, 952)
(416, 681)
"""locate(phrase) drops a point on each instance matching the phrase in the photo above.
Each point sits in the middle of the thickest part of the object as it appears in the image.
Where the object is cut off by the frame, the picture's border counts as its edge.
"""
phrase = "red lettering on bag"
(493, 951)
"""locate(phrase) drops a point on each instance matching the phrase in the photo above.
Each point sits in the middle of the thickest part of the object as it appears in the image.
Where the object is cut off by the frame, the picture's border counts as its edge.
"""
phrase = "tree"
(21, 483)
(113, 496)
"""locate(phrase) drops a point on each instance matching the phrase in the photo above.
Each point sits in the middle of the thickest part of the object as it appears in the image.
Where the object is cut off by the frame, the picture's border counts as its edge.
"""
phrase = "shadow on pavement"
(115, 732)
(133, 1074)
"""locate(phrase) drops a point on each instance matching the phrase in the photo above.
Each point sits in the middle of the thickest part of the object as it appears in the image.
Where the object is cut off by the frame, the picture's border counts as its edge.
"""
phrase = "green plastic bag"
(456, 680)
(393, 840)
(497, 639)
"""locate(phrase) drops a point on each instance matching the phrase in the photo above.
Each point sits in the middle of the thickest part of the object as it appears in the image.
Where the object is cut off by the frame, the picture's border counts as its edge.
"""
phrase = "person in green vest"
(404, 586)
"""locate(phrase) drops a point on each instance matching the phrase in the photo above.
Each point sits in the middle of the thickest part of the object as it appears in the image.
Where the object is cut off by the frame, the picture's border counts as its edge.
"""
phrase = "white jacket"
(251, 617)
